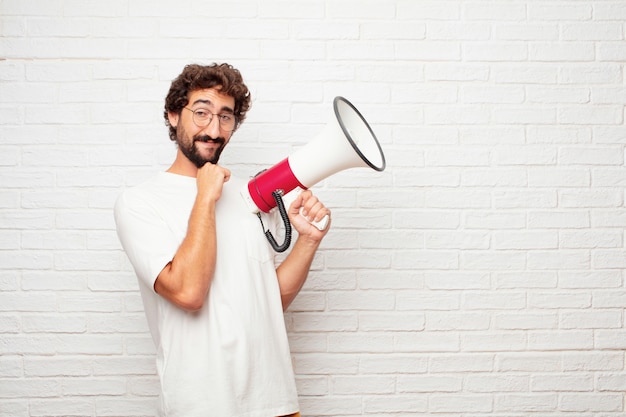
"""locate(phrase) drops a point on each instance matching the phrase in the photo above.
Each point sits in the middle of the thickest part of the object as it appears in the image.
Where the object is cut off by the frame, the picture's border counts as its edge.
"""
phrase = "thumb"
(296, 205)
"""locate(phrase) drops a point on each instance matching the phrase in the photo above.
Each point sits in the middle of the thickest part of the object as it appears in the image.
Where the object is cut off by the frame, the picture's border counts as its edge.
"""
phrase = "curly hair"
(224, 77)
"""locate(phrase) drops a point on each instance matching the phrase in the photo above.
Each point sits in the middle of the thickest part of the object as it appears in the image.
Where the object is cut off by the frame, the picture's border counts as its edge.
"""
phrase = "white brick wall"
(480, 275)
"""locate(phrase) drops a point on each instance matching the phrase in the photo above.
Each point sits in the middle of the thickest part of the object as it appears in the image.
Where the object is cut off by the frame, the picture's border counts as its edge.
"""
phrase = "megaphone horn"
(346, 142)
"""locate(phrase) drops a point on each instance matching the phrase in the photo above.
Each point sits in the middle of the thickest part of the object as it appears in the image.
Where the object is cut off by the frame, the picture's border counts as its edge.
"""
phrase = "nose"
(213, 128)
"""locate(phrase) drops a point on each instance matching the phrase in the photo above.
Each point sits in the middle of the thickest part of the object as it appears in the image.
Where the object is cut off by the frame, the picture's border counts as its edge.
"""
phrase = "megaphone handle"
(322, 224)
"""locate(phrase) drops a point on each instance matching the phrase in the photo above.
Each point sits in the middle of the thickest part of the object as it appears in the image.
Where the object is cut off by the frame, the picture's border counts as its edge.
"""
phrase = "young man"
(212, 294)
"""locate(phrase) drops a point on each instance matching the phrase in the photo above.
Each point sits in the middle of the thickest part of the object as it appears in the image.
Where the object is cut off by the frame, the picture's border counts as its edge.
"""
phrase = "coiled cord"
(283, 214)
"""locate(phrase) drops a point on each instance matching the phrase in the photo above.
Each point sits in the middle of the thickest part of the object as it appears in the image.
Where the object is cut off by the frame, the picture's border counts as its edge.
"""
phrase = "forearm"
(186, 279)
(293, 271)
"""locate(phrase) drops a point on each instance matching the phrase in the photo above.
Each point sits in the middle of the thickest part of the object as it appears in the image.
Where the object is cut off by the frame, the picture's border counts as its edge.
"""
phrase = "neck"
(183, 166)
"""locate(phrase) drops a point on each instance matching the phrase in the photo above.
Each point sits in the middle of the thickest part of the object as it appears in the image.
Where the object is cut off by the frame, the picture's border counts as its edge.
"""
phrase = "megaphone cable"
(283, 214)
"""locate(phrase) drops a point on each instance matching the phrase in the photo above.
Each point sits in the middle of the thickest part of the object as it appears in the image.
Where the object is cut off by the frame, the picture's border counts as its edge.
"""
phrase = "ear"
(173, 118)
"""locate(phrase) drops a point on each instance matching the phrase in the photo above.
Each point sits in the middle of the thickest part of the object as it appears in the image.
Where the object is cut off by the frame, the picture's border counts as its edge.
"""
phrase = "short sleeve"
(145, 236)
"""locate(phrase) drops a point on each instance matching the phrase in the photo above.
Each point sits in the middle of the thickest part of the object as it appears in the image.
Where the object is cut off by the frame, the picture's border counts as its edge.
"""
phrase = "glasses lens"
(202, 118)
(227, 122)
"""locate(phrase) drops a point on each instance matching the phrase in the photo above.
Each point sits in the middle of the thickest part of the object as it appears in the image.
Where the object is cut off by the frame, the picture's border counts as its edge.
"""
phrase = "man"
(212, 294)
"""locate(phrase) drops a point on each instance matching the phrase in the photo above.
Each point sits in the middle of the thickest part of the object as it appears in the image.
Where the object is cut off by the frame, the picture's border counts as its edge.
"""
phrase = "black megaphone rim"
(346, 132)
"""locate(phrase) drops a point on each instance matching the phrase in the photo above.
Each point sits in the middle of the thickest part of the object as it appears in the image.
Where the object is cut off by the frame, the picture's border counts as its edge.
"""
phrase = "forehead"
(211, 97)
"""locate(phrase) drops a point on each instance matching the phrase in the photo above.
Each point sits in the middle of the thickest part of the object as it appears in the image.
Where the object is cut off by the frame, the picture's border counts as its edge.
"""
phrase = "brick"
(612, 382)
(57, 367)
(459, 280)
(593, 361)
(325, 363)
(497, 384)
(31, 387)
(494, 342)
(590, 74)
(597, 115)
(383, 363)
(430, 10)
(591, 402)
(111, 407)
(456, 321)
(426, 342)
(576, 259)
(526, 240)
(11, 367)
(61, 407)
(525, 279)
(526, 321)
(429, 384)
(527, 32)
(456, 72)
(528, 362)
(559, 300)
(597, 279)
(561, 340)
(351, 385)
(324, 322)
(15, 409)
(596, 31)
(561, 52)
(547, 95)
(344, 405)
(360, 300)
(145, 387)
(559, 177)
(527, 402)
(94, 386)
(395, 404)
(370, 322)
(558, 383)
(458, 30)
(556, 11)
(451, 403)
(51, 323)
(610, 339)
(494, 52)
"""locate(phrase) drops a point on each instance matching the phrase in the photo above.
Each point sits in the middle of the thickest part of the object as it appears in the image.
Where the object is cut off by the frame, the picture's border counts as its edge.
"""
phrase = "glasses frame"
(219, 121)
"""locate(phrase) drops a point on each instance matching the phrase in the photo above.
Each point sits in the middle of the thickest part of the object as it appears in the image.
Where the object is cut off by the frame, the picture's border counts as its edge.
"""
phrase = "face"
(202, 144)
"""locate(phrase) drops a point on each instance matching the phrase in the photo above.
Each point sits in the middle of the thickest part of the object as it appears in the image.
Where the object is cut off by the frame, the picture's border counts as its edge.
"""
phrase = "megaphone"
(346, 142)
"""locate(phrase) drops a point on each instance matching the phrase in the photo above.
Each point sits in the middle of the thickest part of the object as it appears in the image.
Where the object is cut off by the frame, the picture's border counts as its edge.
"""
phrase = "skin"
(186, 279)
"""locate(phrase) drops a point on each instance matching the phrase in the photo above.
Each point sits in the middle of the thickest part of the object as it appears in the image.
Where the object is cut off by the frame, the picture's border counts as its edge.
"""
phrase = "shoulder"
(147, 196)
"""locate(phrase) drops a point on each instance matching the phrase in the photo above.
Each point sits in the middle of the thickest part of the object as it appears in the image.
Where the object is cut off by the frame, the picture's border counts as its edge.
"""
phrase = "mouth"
(209, 140)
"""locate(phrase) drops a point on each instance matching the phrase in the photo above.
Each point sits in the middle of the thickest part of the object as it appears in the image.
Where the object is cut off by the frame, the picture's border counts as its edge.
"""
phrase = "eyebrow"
(209, 103)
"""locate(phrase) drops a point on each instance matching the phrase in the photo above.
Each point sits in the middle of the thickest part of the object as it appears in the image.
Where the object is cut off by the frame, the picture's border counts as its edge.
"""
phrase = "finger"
(308, 201)
(314, 208)
(226, 174)
(296, 204)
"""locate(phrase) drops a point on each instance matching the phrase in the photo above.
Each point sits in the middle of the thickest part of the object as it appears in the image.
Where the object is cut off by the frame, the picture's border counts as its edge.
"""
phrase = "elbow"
(190, 301)
(191, 305)
(188, 295)
(185, 298)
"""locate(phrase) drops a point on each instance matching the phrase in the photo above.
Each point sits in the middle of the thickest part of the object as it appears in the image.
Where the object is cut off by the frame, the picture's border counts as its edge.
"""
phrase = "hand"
(304, 209)
(210, 181)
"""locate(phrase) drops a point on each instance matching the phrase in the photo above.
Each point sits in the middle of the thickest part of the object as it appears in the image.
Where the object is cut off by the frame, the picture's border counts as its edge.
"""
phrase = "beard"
(190, 150)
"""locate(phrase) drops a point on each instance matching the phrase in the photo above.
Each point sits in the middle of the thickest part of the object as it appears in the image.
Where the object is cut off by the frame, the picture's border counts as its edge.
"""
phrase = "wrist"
(307, 243)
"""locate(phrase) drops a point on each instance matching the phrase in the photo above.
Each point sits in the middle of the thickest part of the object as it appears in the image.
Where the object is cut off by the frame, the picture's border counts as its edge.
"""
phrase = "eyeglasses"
(203, 118)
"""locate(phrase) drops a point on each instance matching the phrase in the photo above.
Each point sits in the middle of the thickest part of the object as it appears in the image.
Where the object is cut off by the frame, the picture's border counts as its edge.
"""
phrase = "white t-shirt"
(231, 358)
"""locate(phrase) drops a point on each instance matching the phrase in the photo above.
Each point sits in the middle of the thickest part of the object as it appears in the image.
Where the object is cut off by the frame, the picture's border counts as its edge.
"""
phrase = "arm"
(293, 271)
(185, 281)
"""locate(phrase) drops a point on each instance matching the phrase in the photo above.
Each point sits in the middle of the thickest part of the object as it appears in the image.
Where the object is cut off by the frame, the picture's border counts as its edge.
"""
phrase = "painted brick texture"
(480, 275)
